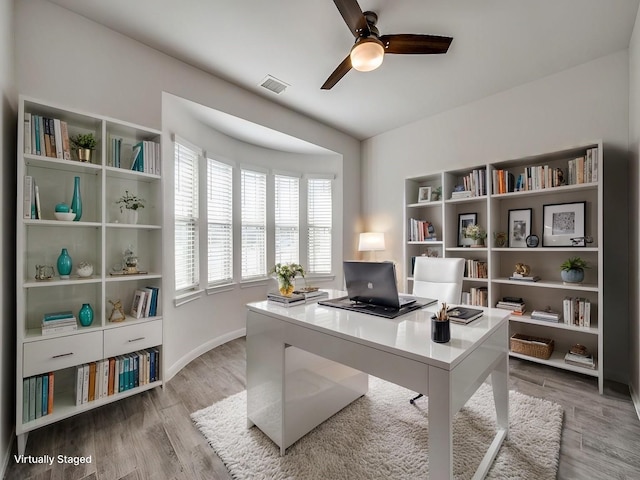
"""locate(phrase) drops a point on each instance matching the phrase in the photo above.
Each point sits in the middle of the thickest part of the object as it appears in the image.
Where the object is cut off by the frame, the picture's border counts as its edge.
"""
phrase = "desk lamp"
(371, 242)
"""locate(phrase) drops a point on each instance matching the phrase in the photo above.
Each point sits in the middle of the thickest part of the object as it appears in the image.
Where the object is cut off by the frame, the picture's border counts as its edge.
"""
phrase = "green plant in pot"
(572, 270)
(84, 143)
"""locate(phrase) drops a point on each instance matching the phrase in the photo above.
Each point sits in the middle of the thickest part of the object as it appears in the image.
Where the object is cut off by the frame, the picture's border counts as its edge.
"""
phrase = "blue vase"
(64, 264)
(76, 201)
(85, 315)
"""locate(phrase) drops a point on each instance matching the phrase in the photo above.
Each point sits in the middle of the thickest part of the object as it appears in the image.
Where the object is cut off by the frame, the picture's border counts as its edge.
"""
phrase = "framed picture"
(424, 194)
(562, 223)
(464, 220)
(519, 227)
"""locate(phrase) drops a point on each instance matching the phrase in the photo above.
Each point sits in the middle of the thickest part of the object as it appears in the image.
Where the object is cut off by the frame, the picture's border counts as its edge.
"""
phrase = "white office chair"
(439, 278)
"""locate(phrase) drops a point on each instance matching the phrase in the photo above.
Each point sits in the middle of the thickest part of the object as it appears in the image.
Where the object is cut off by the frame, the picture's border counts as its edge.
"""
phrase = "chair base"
(412, 401)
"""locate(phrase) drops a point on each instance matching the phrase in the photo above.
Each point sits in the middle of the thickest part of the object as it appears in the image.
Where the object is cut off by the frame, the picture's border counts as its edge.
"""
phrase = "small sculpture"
(117, 312)
(523, 269)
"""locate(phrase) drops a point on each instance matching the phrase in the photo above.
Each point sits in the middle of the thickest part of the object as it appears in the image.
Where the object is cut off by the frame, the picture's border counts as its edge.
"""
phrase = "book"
(45, 394)
(32, 398)
(105, 378)
(463, 314)
(586, 361)
(27, 133)
(312, 295)
(59, 329)
(50, 396)
(38, 412)
(38, 206)
(148, 298)
(25, 400)
(66, 147)
(546, 315)
(137, 306)
(293, 298)
(85, 383)
(41, 135)
(79, 382)
(522, 278)
(27, 200)
(112, 365)
(57, 315)
(57, 132)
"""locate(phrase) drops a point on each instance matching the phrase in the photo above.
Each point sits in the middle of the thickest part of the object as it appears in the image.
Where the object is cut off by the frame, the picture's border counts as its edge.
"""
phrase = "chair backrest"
(439, 278)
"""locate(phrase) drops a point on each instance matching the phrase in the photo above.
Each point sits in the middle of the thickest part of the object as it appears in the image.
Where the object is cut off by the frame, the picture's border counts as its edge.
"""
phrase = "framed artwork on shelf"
(562, 224)
(464, 220)
(519, 227)
(424, 194)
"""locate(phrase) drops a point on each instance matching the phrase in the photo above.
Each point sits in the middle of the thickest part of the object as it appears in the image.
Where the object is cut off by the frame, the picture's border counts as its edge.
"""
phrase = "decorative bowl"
(84, 270)
(65, 216)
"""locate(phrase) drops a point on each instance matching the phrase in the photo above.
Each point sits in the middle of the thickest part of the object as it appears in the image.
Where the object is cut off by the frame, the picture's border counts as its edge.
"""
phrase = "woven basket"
(532, 346)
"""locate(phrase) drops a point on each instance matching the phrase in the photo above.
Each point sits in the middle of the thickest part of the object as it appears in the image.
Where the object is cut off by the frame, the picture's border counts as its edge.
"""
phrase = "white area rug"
(381, 436)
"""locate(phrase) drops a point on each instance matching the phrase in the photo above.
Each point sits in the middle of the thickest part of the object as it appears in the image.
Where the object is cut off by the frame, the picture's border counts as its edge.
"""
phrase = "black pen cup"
(440, 330)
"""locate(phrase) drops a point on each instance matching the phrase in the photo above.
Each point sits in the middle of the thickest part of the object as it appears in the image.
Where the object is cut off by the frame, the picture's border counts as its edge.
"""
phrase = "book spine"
(32, 398)
(43, 151)
(28, 200)
(85, 383)
(121, 374)
(112, 364)
(38, 412)
(50, 396)
(57, 131)
(27, 133)
(38, 207)
(64, 133)
(35, 135)
(25, 400)
(45, 394)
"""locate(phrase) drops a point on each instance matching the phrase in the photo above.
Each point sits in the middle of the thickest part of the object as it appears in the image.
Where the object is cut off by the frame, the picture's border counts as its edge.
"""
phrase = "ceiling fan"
(368, 51)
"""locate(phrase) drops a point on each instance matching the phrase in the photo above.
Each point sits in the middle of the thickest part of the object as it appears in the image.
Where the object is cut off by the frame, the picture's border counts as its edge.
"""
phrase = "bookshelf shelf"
(557, 360)
(98, 238)
(491, 211)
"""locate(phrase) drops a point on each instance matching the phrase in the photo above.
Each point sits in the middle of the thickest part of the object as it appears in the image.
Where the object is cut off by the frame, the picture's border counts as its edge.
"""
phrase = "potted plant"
(129, 205)
(572, 270)
(84, 143)
(476, 233)
(285, 273)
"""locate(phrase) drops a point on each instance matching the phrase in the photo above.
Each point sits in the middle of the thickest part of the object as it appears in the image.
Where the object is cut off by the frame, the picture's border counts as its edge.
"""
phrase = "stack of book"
(312, 294)
(291, 300)
(516, 305)
(579, 360)
(546, 315)
(524, 278)
(58, 322)
(577, 311)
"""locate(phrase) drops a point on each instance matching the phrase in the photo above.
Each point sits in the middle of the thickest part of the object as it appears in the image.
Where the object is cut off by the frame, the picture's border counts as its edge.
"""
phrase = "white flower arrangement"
(475, 232)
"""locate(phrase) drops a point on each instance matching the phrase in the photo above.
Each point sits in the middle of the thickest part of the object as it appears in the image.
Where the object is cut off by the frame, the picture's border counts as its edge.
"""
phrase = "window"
(186, 217)
(287, 219)
(254, 224)
(319, 207)
(219, 222)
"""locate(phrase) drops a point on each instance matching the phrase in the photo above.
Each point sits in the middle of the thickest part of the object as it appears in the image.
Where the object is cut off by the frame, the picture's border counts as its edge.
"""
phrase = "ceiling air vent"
(273, 84)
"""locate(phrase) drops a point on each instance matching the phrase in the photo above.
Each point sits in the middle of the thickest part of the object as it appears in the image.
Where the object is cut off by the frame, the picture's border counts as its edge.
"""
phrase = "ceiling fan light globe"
(367, 54)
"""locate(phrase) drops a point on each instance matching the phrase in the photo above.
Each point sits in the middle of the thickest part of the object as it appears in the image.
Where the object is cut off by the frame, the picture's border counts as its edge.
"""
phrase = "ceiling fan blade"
(406, 43)
(353, 16)
(337, 74)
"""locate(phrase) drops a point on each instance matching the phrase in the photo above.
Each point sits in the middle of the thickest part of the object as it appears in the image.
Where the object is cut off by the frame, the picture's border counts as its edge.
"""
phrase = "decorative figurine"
(117, 313)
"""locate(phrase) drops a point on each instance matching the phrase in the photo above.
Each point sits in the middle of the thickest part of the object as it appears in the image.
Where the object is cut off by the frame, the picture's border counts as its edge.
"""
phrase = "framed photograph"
(464, 220)
(424, 194)
(562, 223)
(519, 227)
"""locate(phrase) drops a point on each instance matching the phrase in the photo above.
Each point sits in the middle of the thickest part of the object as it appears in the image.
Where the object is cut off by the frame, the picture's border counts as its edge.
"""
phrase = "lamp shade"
(367, 54)
(371, 242)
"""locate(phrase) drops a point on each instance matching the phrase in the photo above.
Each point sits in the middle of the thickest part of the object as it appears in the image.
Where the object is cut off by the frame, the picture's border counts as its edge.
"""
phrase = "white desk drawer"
(126, 339)
(58, 353)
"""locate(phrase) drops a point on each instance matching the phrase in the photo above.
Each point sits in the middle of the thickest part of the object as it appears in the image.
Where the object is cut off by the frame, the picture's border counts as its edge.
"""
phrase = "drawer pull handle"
(137, 339)
(62, 355)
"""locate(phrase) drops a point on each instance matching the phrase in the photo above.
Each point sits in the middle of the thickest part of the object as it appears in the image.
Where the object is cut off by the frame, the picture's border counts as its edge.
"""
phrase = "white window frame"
(309, 227)
(257, 223)
(217, 219)
(289, 221)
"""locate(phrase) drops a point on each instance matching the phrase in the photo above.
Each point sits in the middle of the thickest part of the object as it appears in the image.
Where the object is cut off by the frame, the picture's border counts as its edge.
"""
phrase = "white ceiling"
(498, 44)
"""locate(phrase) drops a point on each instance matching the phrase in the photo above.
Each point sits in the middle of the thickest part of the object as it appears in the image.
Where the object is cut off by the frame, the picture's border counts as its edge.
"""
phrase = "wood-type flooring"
(151, 436)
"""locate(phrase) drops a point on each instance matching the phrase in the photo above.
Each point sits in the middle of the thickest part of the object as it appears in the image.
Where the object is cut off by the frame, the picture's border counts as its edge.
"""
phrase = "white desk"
(305, 363)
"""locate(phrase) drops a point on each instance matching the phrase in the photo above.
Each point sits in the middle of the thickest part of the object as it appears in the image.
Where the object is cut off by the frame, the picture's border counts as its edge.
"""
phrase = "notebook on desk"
(372, 289)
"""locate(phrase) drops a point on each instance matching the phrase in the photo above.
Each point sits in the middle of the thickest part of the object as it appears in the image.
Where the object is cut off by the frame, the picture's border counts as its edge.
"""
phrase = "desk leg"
(499, 382)
(440, 425)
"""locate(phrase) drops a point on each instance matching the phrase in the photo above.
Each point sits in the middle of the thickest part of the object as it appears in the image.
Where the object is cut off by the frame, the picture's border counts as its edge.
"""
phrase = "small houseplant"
(285, 273)
(476, 233)
(572, 270)
(129, 205)
(84, 144)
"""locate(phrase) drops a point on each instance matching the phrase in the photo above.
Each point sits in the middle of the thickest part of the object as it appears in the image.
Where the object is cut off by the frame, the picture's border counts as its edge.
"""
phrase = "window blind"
(319, 207)
(186, 217)
(254, 224)
(219, 222)
(287, 218)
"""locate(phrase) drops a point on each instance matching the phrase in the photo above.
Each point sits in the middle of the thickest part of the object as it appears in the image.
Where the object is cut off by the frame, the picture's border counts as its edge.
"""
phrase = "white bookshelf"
(492, 214)
(100, 238)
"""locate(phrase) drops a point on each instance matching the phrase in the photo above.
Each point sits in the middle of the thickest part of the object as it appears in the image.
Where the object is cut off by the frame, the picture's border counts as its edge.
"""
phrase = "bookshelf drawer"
(118, 341)
(58, 353)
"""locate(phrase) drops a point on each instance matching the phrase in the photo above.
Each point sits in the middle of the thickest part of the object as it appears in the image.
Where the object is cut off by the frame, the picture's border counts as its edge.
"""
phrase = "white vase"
(130, 216)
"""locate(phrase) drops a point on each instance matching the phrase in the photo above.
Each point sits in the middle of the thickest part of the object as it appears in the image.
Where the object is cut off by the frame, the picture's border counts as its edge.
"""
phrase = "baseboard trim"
(635, 399)
(7, 454)
(171, 371)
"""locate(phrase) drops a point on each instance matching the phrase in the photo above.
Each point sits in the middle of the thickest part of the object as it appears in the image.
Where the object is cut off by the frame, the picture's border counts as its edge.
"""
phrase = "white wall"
(92, 68)
(582, 104)
(8, 118)
(222, 314)
(634, 213)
